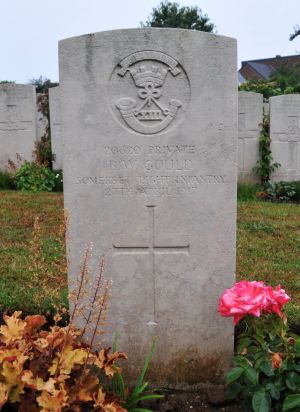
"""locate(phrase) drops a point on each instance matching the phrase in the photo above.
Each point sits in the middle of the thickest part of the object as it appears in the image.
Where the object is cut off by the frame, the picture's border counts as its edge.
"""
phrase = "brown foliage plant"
(59, 369)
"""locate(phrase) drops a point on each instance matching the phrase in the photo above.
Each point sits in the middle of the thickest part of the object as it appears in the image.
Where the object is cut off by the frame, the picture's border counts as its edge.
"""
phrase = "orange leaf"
(12, 362)
(34, 322)
(99, 399)
(4, 389)
(88, 386)
(14, 328)
(37, 383)
(53, 402)
(106, 362)
(68, 359)
(113, 407)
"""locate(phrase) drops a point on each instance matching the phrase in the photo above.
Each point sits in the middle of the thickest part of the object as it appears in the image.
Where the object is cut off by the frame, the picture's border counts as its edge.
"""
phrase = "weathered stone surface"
(55, 126)
(17, 122)
(285, 136)
(149, 120)
(249, 127)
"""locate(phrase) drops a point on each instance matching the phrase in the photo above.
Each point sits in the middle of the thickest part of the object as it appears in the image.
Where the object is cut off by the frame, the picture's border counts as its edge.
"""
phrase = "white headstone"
(285, 136)
(55, 127)
(149, 119)
(249, 127)
(17, 122)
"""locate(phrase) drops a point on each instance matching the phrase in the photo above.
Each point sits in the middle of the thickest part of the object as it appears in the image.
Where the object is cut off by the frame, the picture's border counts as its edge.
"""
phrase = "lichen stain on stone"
(189, 368)
(89, 52)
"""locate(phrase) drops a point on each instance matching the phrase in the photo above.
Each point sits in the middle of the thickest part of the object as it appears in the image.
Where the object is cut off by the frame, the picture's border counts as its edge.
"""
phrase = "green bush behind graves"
(6, 180)
(35, 177)
(296, 186)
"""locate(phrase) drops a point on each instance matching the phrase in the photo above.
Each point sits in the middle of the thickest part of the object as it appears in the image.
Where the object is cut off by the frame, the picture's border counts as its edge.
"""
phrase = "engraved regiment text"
(150, 171)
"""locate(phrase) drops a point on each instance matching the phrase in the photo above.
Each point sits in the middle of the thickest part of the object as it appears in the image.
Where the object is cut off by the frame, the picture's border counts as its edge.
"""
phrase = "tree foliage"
(42, 84)
(284, 80)
(296, 33)
(170, 14)
(287, 78)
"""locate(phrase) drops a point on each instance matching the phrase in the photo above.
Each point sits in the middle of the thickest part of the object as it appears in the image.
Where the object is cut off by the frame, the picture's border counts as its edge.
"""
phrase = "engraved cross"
(152, 249)
(292, 136)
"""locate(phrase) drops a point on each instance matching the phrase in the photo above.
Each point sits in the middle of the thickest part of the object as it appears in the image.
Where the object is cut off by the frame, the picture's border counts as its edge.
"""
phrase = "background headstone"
(149, 119)
(249, 127)
(55, 127)
(285, 136)
(266, 108)
(17, 122)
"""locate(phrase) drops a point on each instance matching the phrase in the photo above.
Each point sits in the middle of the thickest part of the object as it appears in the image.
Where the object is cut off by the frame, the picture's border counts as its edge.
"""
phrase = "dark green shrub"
(59, 186)
(280, 191)
(296, 185)
(35, 178)
(6, 181)
(247, 191)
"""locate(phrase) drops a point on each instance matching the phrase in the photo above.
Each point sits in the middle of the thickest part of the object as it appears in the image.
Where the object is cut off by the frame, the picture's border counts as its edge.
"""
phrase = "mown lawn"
(268, 247)
(33, 266)
(32, 261)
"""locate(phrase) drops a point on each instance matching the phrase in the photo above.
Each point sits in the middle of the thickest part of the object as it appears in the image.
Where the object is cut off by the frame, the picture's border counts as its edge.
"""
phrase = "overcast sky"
(30, 29)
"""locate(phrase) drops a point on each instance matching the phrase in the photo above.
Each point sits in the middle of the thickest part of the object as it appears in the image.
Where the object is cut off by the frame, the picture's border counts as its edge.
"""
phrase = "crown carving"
(143, 75)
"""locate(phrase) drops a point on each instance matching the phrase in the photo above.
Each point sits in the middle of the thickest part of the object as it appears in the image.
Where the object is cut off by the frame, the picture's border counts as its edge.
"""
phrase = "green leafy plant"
(296, 186)
(34, 177)
(264, 166)
(283, 80)
(59, 187)
(280, 191)
(140, 392)
(266, 367)
(267, 89)
(6, 180)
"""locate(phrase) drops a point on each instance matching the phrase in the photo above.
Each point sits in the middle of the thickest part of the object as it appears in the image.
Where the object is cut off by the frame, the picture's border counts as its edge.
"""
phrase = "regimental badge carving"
(156, 102)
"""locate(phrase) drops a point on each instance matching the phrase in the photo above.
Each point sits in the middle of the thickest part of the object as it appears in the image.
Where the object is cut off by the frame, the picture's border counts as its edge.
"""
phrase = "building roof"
(261, 69)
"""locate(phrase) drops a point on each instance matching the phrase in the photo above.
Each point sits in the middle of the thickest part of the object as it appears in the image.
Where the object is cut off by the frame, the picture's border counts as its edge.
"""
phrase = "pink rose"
(242, 299)
(275, 300)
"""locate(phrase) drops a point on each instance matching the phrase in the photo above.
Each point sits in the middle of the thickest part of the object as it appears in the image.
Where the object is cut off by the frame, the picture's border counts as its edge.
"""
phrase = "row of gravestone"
(284, 117)
(21, 124)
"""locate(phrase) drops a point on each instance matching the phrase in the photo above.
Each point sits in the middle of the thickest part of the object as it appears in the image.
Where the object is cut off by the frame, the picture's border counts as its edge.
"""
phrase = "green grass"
(247, 191)
(268, 249)
(33, 266)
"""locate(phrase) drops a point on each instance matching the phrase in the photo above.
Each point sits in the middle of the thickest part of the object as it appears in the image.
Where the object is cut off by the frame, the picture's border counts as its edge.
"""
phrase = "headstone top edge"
(12, 85)
(245, 92)
(290, 95)
(193, 33)
(54, 89)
